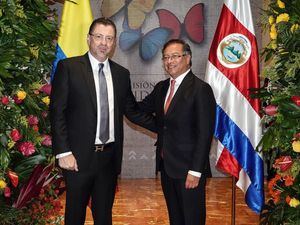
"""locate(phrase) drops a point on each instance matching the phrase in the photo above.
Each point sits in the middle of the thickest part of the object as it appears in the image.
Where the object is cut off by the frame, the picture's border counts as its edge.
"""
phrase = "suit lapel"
(163, 95)
(116, 85)
(89, 78)
(187, 81)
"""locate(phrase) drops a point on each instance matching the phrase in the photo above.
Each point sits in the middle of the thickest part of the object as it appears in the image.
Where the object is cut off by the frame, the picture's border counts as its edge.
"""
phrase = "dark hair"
(185, 47)
(104, 21)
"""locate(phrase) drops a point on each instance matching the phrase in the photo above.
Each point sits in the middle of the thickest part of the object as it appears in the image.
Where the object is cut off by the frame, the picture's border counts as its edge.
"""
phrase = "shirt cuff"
(63, 155)
(194, 173)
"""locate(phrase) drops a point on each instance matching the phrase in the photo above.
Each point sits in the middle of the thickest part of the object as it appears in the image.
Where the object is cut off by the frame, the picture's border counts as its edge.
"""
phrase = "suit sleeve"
(58, 108)
(136, 115)
(148, 103)
(205, 107)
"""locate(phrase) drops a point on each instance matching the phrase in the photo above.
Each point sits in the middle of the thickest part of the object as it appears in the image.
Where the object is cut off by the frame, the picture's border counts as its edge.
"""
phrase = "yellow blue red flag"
(75, 21)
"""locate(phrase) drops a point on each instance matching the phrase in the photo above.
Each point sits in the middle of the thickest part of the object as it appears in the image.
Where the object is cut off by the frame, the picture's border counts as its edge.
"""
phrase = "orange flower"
(288, 199)
(289, 180)
(276, 196)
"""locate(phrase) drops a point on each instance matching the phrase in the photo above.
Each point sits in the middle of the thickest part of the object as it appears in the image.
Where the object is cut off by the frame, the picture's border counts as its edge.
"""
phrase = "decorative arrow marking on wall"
(132, 155)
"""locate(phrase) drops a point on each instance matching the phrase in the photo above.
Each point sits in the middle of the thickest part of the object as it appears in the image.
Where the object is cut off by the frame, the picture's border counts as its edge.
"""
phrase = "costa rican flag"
(231, 71)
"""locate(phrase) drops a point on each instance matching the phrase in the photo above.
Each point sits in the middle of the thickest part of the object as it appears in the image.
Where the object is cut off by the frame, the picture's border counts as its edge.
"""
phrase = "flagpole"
(238, 127)
(233, 194)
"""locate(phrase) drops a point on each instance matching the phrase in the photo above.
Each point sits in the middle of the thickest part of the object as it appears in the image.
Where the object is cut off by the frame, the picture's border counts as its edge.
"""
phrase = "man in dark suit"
(184, 107)
(90, 95)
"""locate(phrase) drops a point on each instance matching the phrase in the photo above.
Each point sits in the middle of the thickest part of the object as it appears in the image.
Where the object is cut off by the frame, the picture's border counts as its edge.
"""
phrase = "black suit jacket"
(185, 131)
(73, 109)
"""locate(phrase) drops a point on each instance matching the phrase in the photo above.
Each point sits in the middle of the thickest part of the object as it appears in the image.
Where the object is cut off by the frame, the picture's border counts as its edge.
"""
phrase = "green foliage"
(28, 29)
(281, 115)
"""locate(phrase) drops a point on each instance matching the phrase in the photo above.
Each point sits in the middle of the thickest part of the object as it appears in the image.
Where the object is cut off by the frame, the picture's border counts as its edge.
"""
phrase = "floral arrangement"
(29, 184)
(281, 98)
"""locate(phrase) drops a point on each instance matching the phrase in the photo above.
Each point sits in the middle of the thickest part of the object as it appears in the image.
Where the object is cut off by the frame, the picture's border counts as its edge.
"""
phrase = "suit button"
(165, 127)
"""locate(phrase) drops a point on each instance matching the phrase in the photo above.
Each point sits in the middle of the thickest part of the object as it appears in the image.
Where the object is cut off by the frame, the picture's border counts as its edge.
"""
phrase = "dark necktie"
(104, 110)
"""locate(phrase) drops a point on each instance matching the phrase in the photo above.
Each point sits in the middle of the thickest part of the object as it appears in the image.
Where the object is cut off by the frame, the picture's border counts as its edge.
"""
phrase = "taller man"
(90, 95)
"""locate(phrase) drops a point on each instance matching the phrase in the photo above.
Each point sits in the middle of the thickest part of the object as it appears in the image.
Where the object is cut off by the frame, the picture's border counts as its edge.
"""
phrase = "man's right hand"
(68, 162)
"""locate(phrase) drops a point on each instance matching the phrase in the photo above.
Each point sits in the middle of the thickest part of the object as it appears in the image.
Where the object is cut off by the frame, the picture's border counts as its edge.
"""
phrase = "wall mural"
(135, 13)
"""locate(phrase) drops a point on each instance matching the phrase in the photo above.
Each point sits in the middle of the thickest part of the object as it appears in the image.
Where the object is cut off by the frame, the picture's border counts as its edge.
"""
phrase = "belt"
(103, 147)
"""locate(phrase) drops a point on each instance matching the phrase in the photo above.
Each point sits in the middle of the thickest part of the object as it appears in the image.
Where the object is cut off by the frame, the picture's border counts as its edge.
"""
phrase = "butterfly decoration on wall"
(135, 10)
(192, 26)
(149, 43)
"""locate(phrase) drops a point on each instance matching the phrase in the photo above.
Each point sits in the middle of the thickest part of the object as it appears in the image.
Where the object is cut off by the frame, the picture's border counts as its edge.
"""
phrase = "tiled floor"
(141, 202)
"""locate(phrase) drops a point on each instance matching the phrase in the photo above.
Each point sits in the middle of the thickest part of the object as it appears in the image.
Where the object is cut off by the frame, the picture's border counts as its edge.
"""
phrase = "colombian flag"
(74, 27)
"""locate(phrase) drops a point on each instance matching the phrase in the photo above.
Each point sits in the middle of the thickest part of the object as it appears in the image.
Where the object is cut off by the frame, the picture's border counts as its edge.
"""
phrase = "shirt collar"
(95, 62)
(180, 78)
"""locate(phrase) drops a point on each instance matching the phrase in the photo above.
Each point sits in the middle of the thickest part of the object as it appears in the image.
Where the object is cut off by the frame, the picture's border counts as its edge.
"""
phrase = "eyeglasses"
(100, 37)
(166, 58)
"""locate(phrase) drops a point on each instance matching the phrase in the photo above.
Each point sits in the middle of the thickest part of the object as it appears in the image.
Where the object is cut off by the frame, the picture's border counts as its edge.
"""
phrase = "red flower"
(35, 128)
(283, 163)
(5, 100)
(26, 148)
(46, 89)
(14, 178)
(32, 120)
(17, 100)
(47, 141)
(271, 110)
(15, 135)
(7, 192)
(296, 100)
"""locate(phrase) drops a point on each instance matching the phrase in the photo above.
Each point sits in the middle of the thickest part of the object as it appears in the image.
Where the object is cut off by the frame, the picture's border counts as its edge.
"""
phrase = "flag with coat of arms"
(232, 70)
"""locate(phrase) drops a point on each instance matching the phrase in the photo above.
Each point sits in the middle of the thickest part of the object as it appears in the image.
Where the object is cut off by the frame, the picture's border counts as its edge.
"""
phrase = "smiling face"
(101, 41)
(175, 61)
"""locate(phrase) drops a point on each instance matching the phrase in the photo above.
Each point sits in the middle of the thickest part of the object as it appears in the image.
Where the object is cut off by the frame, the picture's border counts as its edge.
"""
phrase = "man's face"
(174, 60)
(101, 41)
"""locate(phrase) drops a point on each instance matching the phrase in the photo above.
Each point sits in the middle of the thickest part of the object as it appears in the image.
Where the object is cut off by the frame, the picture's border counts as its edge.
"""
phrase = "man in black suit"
(90, 95)
(184, 107)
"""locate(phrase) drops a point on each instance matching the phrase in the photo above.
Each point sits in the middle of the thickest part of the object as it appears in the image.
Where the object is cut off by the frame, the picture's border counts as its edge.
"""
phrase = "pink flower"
(271, 110)
(283, 163)
(5, 100)
(32, 120)
(46, 89)
(26, 148)
(7, 192)
(44, 114)
(15, 135)
(47, 141)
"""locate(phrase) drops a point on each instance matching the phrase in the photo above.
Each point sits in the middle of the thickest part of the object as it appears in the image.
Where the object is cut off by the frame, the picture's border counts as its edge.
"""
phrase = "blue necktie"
(104, 109)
